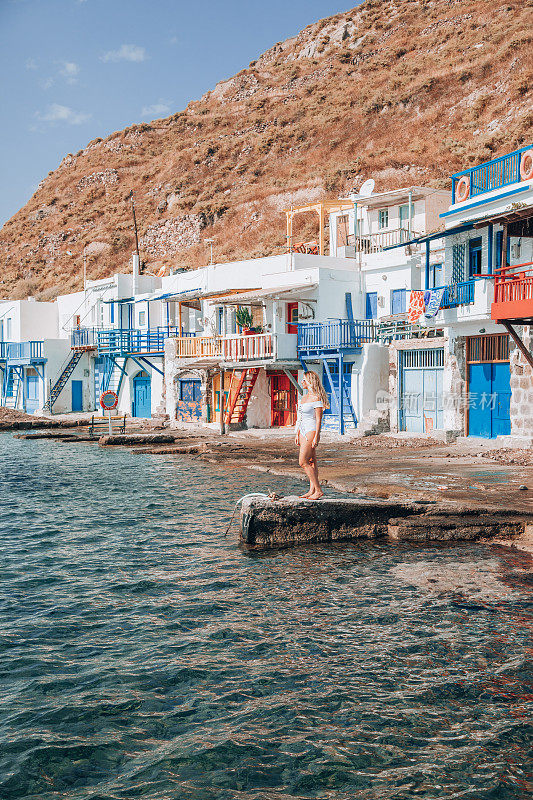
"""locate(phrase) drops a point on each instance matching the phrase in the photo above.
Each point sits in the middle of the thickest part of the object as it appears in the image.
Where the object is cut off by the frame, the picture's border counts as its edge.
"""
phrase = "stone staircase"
(373, 423)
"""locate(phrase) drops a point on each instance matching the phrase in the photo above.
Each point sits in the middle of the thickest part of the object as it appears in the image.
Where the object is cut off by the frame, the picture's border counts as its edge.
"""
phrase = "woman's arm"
(319, 412)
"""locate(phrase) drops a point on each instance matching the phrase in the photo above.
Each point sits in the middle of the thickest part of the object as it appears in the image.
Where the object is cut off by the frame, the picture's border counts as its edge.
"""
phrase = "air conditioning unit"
(515, 249)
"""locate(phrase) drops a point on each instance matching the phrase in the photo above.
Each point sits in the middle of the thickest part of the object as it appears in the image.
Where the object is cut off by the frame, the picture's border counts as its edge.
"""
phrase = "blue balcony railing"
(333, 336)
(83, 337)
(22, 351)
(126, 340)
(458, 294)
(493, 174)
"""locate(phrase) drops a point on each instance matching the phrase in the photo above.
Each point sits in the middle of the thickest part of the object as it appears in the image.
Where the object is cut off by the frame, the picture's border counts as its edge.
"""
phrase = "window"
(371, 305)
(8, 329)
(458, 263)
(1, 330)
(220, 320)
(142, 319)
(342, 230)
(112, 312)
(475, 250)
(383, 218)
(404, 216)
(435, 276)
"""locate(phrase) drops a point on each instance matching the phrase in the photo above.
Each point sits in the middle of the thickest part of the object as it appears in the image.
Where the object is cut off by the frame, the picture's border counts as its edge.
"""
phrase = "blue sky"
(73, 70)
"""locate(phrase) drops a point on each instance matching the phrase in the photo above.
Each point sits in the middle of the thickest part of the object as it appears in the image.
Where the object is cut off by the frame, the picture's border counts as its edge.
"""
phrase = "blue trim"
(490, 250)
(427, 263)
(484, 202)
(304, 365)
(151, 365)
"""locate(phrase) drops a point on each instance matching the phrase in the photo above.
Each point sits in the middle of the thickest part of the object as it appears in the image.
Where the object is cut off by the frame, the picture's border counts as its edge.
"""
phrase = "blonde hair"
(315, 385)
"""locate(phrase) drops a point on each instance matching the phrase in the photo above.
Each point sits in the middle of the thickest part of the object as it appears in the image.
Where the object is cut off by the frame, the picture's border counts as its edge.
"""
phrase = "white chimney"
(135, 273)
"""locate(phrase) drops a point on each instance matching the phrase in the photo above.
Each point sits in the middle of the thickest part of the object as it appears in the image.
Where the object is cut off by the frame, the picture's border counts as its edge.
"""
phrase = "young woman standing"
(310, 410)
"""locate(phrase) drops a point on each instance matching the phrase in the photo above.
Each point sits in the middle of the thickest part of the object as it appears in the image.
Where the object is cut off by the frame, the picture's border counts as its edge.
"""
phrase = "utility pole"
(210, 242)
(134, 224)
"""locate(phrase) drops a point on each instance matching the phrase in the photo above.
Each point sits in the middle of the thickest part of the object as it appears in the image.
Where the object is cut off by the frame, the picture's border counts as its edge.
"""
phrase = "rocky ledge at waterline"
(267, 523)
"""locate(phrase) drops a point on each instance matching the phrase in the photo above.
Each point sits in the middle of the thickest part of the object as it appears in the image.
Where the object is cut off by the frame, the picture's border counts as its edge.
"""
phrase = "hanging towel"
(433, 302)
(416, 306)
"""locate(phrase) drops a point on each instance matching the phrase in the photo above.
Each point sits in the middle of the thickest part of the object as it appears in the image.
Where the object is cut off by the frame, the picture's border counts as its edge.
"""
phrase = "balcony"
(495, 174)
(334, 336)
(262, 347)
(513, 294)
(20, 353)
(83, 339)
(126, 341)
(377, 242)
(457, 294)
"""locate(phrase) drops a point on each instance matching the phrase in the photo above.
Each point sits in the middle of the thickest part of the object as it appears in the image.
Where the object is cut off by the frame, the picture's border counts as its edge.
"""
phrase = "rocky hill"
(405, 91)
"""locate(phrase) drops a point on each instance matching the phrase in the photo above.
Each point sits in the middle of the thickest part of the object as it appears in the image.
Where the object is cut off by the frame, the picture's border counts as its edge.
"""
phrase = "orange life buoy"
(526, 165)
(462, 191)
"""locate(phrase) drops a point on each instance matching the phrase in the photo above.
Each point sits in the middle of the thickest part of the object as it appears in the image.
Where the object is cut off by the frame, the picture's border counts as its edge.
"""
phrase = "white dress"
(306, 416)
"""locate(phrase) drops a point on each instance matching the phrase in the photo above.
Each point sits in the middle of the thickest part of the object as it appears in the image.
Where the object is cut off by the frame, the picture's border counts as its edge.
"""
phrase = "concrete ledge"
(268, 524)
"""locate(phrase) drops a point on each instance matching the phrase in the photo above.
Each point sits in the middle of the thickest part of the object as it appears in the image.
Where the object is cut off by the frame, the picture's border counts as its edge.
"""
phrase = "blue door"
(371, 305)
(142, 396)
(398, 301)
(489, 387)
(77, 395)
(32, 391)
(99, 371)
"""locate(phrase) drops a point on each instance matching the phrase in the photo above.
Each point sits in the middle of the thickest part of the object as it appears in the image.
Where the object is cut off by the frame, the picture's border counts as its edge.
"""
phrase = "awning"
(259, 295)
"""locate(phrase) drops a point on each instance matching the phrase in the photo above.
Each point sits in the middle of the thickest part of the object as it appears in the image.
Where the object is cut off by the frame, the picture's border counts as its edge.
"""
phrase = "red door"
(292, 317)
(284, 403)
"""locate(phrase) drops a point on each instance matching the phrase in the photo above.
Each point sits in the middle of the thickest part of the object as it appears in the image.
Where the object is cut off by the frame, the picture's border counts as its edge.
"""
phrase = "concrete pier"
(268, 524)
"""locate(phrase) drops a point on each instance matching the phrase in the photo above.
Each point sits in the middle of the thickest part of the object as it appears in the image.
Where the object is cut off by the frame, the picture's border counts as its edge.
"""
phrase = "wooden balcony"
(238, 348)
(513, 294)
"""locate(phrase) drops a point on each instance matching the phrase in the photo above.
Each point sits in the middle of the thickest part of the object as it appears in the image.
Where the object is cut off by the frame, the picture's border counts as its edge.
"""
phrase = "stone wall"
(522, 390)
(258, 413)
(174, 369)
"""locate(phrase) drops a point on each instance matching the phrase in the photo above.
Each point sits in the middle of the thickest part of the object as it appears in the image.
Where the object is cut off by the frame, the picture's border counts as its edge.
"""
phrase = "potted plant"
(244, 320)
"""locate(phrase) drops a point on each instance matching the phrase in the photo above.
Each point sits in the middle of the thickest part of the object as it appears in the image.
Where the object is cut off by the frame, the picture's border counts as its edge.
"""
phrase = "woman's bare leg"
(308, 464)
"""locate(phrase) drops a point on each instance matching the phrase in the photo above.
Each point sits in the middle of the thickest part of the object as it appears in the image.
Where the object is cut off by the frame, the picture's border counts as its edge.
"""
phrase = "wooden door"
(283, 401)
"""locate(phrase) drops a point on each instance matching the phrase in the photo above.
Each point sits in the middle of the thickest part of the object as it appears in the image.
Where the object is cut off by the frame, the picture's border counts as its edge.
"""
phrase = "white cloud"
(47, 83)
(156, 110)
(174, 40)
(58, 113)
(126, 52)
(31, 63)
(69, 70)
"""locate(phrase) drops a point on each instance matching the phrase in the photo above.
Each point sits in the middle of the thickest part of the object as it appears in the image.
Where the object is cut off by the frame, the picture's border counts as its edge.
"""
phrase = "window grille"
(458, 263)
(427, 357)
(487, 348)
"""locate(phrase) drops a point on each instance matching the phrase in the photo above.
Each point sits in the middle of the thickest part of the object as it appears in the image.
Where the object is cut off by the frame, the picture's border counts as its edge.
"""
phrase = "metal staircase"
(11, 387)
(348, 409)
(240, 391)
(61, 382)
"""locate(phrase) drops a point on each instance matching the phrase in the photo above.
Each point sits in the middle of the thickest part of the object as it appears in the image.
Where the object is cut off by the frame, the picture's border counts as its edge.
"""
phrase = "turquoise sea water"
(143, 655)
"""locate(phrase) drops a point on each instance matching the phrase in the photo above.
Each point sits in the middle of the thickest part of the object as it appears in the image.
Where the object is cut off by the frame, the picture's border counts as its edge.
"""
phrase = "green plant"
(243, 317)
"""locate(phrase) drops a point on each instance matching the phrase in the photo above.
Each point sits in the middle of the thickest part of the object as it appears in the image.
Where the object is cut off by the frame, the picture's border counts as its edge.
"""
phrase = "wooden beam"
(518, 342)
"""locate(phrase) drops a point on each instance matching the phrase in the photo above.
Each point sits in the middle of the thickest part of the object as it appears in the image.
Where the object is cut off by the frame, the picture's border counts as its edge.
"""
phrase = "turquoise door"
(77, 396)
(489, 389)
(99, 371)
(32, 393)
(142, 396)
(421, 401)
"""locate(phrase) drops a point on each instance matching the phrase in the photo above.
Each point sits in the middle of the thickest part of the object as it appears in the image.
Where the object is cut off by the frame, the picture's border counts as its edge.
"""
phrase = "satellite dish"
(367, 188)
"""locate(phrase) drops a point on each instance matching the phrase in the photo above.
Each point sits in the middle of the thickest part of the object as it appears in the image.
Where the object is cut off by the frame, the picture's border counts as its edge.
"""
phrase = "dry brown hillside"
(406, 91)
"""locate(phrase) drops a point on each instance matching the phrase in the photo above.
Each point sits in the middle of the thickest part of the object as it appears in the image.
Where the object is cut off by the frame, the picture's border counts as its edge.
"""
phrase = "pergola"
(323, 209)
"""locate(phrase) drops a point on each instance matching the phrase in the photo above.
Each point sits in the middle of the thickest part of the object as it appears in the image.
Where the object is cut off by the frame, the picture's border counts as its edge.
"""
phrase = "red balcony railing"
(513, 293)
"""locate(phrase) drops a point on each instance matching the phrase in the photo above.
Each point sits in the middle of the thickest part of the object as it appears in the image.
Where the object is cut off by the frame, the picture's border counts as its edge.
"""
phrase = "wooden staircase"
(240, 391)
